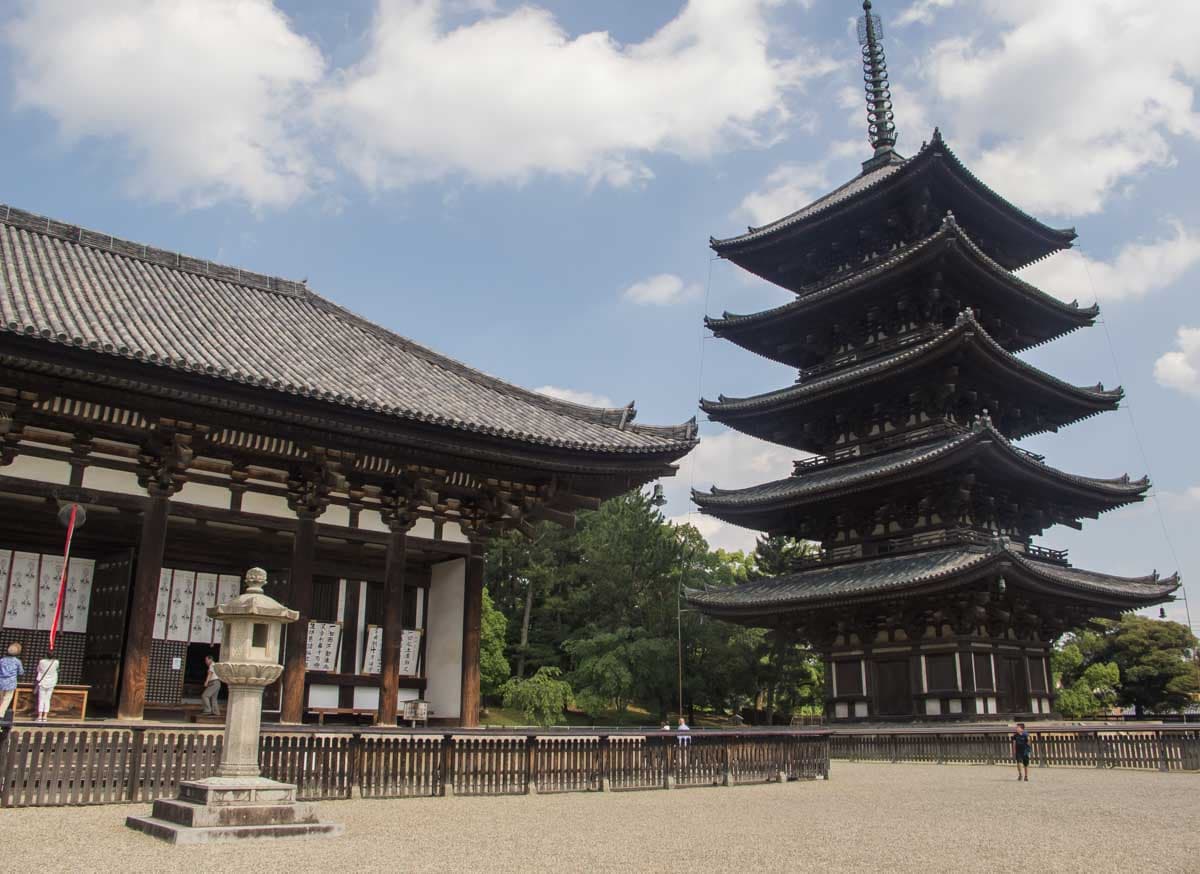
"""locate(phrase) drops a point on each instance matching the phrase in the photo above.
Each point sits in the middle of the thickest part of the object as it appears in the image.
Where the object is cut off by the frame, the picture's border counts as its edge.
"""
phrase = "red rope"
(62, 583)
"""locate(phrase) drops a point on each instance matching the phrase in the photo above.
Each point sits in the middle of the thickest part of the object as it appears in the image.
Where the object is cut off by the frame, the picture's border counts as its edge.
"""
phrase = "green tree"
(1156, 658)
(542, 698)
(493, 666)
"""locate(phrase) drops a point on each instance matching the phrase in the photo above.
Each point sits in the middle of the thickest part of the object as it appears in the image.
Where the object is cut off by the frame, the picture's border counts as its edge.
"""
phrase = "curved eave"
(935, 150)
(881, 579)
(863, 474)
(969, 333)
(736, 327)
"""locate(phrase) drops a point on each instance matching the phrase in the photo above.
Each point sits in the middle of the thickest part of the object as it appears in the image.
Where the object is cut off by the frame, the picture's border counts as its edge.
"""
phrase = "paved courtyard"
(891, 817)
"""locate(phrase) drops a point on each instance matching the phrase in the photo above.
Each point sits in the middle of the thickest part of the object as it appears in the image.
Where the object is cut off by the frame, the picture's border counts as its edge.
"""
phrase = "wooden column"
(393, 621)
(144, 600)
(300, 599)
(472, 629)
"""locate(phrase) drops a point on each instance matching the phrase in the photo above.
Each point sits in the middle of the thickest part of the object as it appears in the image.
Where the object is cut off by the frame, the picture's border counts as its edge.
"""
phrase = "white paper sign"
(228, 587)
(21, 609)
(373, 657)
(49, 577)
(206, 596)
(410, 651)
(5, 567)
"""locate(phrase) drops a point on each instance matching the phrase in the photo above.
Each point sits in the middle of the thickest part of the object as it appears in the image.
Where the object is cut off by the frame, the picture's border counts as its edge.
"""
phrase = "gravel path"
(896, 817)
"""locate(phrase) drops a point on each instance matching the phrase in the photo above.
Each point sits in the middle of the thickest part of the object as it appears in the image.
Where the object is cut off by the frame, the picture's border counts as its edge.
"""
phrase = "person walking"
(1021, 744)
(212, 688)
(10, 669)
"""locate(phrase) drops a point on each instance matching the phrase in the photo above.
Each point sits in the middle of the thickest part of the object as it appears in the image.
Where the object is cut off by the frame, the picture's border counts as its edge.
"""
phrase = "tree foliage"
(1147, 664)
(493, 666)
(542, 698)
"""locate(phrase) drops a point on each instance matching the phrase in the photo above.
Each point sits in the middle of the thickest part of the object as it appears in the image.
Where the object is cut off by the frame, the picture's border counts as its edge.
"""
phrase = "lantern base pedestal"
(232, 808)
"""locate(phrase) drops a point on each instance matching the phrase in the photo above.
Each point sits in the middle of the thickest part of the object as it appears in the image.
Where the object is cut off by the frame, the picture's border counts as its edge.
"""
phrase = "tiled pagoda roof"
(838, 479)
(898, 575)
(1085, 400)
(888, 174)
(60, 284)
(949, 237)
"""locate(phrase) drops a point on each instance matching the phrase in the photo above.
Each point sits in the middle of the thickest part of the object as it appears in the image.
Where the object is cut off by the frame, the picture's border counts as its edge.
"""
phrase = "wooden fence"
(1157, 748)
(80, 764)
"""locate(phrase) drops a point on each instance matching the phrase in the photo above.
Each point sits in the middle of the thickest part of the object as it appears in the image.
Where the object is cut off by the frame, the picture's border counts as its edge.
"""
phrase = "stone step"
(175, 833)
(192, 815)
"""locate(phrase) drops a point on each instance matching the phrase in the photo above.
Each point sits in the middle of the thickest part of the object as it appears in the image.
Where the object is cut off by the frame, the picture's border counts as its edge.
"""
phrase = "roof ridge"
(40, 224)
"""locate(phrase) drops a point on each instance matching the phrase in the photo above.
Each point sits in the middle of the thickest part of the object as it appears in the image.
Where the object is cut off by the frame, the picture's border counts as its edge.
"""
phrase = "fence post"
(941, 749)
(448, 765)
(604, 754)
(1041, 748)
(729, 780)
(531, 776)
(354, 769)
(895, 744)
(1160, 738)
(1100, 751)
(670, 760)
(135, 766)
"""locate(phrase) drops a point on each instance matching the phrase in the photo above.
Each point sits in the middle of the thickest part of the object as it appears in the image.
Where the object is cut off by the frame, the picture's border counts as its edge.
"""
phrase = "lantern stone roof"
(895, 576)
(65, 285)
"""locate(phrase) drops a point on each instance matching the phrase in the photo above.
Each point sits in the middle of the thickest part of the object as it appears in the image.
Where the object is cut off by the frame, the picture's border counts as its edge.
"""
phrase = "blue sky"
(530, 188)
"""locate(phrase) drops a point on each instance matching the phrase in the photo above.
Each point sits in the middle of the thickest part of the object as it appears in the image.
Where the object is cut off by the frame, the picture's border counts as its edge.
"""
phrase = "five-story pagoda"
(928, 597)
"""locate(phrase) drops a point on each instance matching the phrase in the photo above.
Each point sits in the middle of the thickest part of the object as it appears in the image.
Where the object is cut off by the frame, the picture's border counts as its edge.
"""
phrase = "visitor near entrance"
(10, 669)
(684, 740)
(1021, 746)
(47, 679)
(212, 688)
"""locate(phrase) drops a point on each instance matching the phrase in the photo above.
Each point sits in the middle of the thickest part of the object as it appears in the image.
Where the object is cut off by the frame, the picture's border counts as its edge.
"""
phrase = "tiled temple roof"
(76, 288)
(1097, 398)
(856, 474)
(868, 181)
(894, 575)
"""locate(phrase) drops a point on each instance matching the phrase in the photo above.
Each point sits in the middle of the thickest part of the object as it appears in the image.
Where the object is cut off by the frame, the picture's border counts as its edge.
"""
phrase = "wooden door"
(893, 692)
(107, 615)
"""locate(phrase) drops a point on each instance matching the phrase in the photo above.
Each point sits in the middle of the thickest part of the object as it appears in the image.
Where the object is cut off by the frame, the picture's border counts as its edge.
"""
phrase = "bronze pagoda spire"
(881, 127)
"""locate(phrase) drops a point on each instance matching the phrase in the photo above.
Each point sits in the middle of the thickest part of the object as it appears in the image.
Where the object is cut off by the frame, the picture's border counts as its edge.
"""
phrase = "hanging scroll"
(373, 658)
(49, 576)
(179, 620)
(205, 597)
(79, 595)
(163, 607)
(410, 651)
(321, 650)
(21, 609)
(228, 587)
(5, 566)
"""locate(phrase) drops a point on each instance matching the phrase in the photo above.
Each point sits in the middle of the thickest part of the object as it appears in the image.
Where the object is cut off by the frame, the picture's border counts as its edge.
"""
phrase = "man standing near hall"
(1021, 748)
(212, 688)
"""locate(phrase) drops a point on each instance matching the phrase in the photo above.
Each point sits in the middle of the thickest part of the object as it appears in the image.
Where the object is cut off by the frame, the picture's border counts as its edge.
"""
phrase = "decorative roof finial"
(881, 128)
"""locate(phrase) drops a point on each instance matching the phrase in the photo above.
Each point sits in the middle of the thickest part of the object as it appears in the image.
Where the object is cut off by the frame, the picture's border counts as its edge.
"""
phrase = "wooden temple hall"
(208, 420)
(929, 597)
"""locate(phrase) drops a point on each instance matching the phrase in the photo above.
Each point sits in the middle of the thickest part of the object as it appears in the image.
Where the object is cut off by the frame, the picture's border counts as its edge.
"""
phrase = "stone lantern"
(238, 802)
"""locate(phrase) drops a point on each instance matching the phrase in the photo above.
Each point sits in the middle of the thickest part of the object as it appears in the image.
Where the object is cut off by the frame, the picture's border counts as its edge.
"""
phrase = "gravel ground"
(896, 817)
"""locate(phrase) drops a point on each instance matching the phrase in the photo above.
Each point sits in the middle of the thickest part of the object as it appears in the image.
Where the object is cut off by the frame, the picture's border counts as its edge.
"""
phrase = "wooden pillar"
(140, 635)
(300, 599)
(393, 622)
(472, 629)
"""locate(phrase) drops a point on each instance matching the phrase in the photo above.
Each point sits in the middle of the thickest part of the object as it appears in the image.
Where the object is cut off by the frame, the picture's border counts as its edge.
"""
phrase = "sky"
(531, 187)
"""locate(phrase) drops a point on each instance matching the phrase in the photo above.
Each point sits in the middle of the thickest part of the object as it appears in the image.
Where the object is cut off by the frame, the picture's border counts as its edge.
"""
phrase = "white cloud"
(1181, 370)
(511, 95)
(201, 95)
(922, 12)
(1075, 98)
(729, 460)
(664, 289)
(586, 398)
(1138, 269)
(791, 186)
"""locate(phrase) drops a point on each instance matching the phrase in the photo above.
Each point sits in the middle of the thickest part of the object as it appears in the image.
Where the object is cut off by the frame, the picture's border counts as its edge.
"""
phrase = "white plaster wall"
(453, 531)
(423, 528)
(266, 505)
(369, 520)
(122, 482)
(322, 695)
(44, 469)
(444, 638)
(336, 514)
(203, 494)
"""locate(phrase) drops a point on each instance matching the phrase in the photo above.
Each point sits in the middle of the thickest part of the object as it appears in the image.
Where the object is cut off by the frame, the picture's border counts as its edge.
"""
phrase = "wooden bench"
(322, 712)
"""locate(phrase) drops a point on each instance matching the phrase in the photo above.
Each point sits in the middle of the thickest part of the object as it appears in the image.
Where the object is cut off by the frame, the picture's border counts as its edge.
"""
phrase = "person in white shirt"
(46, 679)
(684, 740)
